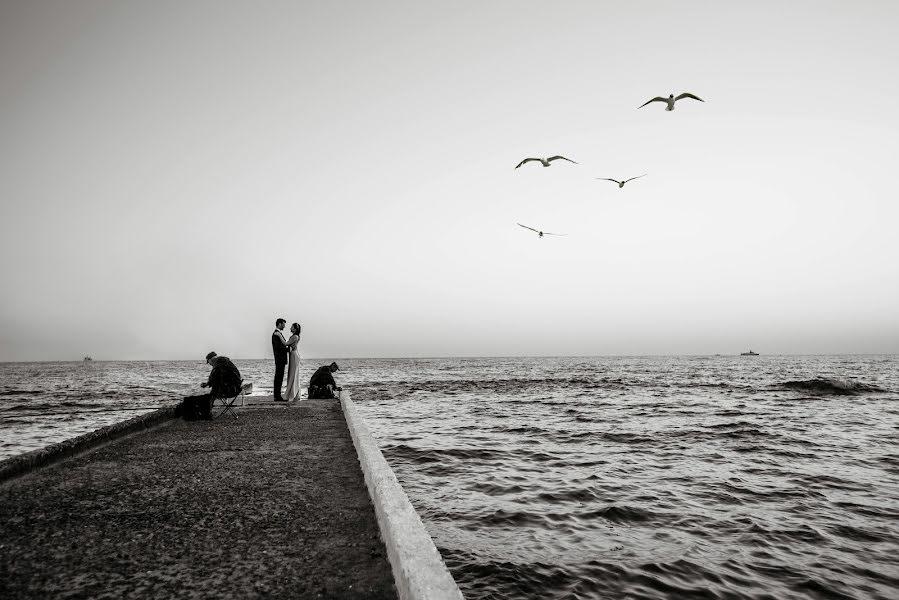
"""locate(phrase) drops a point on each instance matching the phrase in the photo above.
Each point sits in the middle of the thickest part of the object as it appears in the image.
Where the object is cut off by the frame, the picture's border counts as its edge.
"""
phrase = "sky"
(174, 176)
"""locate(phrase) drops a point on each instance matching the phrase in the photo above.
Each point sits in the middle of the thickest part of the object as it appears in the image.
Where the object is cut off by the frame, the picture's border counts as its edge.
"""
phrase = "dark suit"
(279, 349)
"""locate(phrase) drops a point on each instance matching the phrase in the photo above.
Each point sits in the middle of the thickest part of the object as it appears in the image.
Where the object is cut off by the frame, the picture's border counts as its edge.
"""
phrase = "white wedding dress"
(292, 393)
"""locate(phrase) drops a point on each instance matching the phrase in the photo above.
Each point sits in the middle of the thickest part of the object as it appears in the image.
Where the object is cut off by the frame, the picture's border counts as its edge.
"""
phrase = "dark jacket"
(224, 380)
(322, 377)
(279, 349)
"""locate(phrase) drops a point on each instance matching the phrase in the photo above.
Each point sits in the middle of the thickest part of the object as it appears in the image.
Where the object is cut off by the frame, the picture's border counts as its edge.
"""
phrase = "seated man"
(224, 382)
(322, 384)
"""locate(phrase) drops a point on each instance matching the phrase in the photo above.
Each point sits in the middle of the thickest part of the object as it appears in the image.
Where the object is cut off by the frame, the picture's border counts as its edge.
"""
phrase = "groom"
(280, 350)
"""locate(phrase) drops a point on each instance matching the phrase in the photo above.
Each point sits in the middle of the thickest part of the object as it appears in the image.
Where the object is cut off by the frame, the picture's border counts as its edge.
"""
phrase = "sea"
(657, 477)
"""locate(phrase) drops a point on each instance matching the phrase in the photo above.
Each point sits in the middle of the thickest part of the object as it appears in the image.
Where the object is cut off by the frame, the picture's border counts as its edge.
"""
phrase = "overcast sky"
(176, 175)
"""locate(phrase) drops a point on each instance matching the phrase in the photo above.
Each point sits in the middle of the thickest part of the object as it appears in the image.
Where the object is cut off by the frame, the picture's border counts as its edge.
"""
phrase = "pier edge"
(418, 568)
(35, 459)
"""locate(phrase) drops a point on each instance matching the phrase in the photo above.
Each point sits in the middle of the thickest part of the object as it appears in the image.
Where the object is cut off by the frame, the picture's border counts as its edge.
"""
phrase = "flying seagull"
(538, 232)
(545, 161)
(621, 183)
(670, 100)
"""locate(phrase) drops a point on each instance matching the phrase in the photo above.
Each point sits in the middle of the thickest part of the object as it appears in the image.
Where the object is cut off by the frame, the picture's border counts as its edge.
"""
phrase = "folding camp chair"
(228, 401)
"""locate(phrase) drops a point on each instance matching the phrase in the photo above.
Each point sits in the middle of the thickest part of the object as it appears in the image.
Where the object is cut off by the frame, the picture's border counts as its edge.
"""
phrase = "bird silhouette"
(670, 100)
(540, 233)
(545, 161)
(621, 183)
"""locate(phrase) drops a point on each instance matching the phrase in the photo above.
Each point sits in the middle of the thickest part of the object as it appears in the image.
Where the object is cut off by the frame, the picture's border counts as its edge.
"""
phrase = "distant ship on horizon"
(87, 358)
(750, 353)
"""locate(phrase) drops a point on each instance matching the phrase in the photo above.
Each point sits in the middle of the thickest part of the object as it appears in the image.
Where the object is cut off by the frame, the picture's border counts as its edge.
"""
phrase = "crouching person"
(322, 384)
(224, 382)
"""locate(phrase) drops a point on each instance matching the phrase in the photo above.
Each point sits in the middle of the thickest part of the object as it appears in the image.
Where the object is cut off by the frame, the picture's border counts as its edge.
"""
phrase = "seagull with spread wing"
(621, 183)
(670, 100)
(545, 161)
(538, 232)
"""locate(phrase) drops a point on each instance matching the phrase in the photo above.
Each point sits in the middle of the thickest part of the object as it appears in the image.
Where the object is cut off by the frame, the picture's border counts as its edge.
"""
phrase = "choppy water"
(717, 477)
(661, 477)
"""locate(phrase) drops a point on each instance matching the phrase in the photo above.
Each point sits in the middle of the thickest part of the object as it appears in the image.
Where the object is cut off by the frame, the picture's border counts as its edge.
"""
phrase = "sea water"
(602, 477)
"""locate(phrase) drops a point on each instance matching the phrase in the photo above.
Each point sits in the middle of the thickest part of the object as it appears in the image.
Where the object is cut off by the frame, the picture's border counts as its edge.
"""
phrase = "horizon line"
(487, 356)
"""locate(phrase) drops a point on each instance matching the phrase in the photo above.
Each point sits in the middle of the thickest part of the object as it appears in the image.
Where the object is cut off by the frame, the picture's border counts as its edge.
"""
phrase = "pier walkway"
(272, 504)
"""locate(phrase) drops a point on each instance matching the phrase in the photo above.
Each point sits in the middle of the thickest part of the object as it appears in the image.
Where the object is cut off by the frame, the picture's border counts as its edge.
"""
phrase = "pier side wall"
(25, 463)
(418, 568)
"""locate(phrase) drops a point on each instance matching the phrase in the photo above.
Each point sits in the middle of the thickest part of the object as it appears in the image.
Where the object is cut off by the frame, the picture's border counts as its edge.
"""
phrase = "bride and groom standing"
(286, 355)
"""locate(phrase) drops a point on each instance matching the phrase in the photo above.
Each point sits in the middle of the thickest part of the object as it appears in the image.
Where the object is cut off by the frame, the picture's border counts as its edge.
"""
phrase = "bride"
(293, 369)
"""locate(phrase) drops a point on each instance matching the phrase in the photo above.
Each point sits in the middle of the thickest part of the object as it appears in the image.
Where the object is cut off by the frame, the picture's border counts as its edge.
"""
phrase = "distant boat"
(87, 358)
(750, 353)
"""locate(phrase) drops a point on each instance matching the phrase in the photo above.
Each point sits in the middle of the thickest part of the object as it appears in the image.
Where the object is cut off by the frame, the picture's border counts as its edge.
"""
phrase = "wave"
(622, 514)
(606, 576)
(717, 385)
(569, 495)
(867, 535)
(14, 392)
(542, 519)
(836, 386)
(14, 408)
(523, 429)
(495, 489)
(627, 438)
(730, 425)
(435, 455)
(483, 578)
(73, 407)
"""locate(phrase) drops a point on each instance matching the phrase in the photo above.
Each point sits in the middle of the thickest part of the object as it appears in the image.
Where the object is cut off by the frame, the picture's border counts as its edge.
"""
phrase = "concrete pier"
(271, 504)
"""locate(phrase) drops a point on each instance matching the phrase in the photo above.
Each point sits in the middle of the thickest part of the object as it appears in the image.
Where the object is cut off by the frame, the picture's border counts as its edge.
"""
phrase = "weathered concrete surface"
(272, 504)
